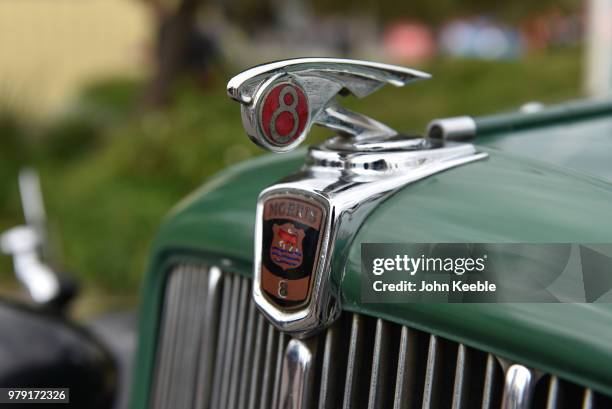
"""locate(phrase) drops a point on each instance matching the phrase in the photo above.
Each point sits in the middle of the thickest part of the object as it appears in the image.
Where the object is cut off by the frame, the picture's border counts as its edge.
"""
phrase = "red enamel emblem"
(284, 114)
(286, 249)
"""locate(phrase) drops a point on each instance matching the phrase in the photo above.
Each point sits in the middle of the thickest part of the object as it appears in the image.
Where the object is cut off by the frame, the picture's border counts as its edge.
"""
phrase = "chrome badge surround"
(347, 176)
(310, 315)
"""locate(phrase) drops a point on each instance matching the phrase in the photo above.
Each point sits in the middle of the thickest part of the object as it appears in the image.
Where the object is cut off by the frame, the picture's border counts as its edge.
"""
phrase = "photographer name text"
(413, 266)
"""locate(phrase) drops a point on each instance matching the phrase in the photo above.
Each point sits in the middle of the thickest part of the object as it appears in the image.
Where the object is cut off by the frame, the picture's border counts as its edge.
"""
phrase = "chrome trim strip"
(518, 387)
(297, 375)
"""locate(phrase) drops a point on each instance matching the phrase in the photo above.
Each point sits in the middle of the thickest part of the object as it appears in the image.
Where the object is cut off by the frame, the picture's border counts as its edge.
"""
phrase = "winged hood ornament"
(306, 222)
(282, 100)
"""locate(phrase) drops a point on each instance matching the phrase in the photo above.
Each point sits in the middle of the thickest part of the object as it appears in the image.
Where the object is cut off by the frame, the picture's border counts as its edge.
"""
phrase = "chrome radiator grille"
(216, 351)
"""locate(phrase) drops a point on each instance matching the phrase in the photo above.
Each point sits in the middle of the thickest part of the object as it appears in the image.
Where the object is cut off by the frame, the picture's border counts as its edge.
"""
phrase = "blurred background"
(120, 104)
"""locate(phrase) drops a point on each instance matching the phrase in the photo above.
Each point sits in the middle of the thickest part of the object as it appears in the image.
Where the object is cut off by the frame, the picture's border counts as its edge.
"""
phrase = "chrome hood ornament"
(282, 100)
(306, 222)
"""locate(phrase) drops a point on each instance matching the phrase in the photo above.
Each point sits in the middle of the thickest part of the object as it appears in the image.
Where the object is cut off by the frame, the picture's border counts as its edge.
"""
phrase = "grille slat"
(329, 391)
(212, 299)
(191, 341)
(552, 401)
(381, 366)
(228, 357)
(167, 338)
(353, 366)
(587, 402)
(216, 351)
(238, 342)
(462, 369)
(221, 341)
(280, 352)
(433, 362)
(259, 351)
(406, 371)
(247, 358)
(492, 384)
(269, 364)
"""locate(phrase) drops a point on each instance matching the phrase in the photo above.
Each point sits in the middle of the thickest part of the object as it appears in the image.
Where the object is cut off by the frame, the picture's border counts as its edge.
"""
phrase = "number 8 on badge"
(283, 114)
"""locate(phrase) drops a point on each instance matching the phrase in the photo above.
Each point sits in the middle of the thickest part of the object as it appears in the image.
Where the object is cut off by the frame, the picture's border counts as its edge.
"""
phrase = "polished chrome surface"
(33, 206)
(457, 128)
(321, 79)
(207, 347)
(348, 186)
(376, 165)
(23, 243)
(297, 375)
(553, 398)
(518, 387)
(28, 244)
(587, 402)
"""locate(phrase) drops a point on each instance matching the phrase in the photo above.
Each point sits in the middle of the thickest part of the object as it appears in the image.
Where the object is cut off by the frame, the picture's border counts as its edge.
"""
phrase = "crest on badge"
(286, 248)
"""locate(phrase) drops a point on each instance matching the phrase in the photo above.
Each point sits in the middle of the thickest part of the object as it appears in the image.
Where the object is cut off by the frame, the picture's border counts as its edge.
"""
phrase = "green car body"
(546, 183)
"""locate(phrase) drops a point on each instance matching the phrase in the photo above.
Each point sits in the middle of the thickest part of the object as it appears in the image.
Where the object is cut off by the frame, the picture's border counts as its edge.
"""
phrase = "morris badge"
(291, 235)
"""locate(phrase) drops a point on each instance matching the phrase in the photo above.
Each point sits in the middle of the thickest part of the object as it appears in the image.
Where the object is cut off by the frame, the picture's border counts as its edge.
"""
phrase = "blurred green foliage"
(110, 173)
